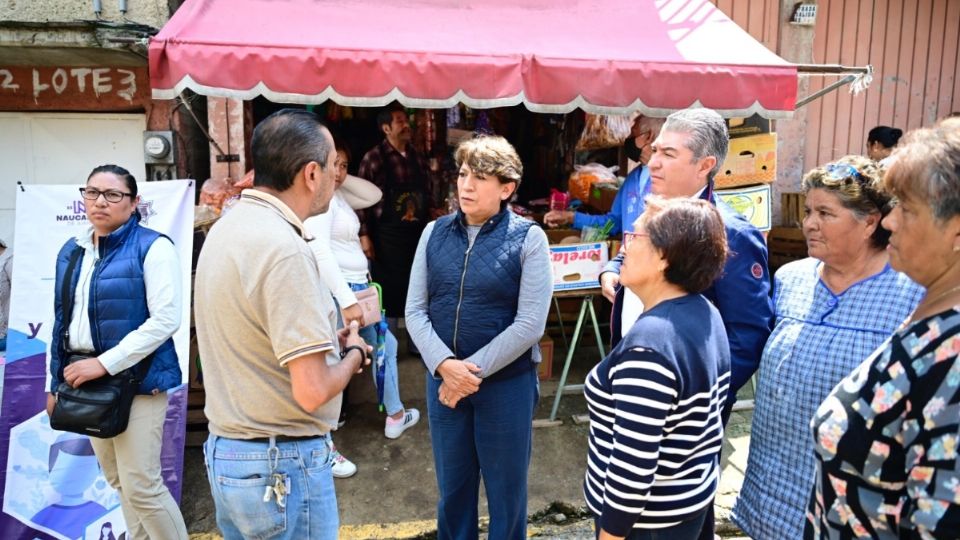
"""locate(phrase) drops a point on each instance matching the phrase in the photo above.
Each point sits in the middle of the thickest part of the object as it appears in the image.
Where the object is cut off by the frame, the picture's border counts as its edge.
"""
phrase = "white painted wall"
(62, 148)
(151, 12)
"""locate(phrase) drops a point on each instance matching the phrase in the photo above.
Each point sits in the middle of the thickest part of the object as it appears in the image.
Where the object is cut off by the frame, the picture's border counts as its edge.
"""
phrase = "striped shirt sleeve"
(644, 392)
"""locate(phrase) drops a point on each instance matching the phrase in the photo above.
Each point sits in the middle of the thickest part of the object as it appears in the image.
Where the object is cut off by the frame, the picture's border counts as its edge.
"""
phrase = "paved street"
(393, 495)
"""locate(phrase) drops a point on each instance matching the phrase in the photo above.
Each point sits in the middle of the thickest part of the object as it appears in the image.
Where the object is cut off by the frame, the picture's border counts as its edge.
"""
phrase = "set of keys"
(279, 489)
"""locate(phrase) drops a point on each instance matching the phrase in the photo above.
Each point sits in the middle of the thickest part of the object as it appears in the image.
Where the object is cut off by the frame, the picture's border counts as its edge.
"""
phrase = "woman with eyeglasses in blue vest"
(127, 305)
(477, 305)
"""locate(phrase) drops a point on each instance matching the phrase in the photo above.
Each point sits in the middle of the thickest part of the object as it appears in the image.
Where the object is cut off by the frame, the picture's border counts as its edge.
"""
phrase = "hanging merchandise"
(333, 113)
(482, 125)
(412, 119)
(431, 132)
(603, 131)
(452, 203)
(453, 116)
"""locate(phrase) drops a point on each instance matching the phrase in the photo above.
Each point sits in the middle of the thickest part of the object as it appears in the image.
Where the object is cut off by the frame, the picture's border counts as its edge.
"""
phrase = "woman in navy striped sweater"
(655, 401)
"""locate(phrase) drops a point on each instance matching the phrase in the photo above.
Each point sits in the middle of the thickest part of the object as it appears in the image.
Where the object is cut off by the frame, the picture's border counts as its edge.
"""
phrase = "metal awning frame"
(858, 77)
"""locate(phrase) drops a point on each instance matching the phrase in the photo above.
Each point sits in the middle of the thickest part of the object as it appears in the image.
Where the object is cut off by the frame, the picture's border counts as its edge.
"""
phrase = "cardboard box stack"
(745, 177)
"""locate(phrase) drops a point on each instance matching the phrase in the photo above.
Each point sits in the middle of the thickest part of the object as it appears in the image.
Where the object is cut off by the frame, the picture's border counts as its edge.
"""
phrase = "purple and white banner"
(52, 484)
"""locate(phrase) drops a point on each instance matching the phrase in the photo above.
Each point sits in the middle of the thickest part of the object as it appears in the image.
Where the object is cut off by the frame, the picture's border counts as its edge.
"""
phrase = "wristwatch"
(346, 351)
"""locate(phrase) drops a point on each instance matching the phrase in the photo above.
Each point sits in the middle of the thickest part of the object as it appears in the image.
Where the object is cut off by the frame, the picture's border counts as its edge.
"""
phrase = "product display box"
(559, 236)
(752, 202)
(750, 160)
(602, 196)
(578, 266)
(745, 127)
(545, 368)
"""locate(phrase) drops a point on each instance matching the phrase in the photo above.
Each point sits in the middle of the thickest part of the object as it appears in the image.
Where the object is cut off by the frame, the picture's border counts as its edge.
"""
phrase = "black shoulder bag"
(101, 407)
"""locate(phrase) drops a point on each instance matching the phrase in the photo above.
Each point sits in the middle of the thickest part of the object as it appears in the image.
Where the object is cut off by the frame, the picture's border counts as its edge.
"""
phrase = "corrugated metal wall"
(912, 45)
(758, 17)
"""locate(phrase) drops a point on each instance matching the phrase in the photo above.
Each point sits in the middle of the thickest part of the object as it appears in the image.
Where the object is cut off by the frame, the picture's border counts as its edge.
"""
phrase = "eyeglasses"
(628, 238)
(112, 195)
(842, 171)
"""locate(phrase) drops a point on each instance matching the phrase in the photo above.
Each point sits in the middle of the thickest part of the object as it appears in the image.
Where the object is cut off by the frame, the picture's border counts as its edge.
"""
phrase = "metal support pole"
(596, 330)
(825, 90)
(587, 300)
(563, 332)
(827, 69)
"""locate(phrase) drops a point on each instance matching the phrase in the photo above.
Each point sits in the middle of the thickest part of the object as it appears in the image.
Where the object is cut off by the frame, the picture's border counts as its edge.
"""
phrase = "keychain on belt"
(281, 482)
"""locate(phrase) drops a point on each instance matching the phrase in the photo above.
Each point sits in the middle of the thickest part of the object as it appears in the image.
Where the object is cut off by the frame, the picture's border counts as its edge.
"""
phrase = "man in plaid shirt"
(395, 223)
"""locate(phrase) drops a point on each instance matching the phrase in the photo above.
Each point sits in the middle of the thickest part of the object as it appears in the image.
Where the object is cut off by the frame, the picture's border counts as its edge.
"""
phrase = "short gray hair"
(927, 167)
(708, 134)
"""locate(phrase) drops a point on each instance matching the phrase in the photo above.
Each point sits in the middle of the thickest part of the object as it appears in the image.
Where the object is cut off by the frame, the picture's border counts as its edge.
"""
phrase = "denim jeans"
(391, 383)
(488, 434)
(687, 530)
(241, 471)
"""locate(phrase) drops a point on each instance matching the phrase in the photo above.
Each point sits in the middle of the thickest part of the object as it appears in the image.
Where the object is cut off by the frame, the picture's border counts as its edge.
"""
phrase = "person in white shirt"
(343, 266)
(127, 304)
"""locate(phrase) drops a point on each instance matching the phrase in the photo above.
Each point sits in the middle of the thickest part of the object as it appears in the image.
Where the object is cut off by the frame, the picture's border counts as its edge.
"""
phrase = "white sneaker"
(342, 467)
(395, 428)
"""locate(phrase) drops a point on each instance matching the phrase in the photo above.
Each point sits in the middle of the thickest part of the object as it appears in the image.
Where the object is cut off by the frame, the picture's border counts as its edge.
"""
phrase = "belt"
(285, 438)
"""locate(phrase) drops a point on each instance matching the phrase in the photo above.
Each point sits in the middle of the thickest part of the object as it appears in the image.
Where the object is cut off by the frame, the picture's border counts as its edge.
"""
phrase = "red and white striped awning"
(604, 56)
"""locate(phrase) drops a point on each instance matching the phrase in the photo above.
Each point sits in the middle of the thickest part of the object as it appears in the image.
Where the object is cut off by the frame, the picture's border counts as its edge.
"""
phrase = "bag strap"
(142, 367)
(375, 285)
(66, 303)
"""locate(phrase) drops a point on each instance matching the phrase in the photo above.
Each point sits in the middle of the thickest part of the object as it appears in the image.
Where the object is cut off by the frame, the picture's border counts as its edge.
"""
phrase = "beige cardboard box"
(545, 369)
(556, 236)
(750, 160)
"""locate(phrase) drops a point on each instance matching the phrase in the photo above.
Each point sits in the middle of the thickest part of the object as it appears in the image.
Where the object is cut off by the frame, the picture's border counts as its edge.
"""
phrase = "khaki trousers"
(131, 464)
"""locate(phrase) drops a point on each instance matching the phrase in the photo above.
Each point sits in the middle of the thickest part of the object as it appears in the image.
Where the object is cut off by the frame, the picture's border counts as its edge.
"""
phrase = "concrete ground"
(393, 494)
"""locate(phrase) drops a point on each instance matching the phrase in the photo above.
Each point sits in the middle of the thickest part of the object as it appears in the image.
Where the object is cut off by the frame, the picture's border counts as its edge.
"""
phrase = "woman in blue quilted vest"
(127, 305)
(477, 305)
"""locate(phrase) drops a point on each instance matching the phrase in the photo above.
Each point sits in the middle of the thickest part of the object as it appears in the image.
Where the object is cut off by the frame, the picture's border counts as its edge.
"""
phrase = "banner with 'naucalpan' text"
(52, 484)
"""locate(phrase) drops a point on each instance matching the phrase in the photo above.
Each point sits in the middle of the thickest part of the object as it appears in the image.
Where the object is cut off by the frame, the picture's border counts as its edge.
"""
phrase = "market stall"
(611, 57)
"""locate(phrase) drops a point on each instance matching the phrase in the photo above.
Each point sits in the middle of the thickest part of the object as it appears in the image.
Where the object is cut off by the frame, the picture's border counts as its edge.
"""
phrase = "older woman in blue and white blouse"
(832, 309)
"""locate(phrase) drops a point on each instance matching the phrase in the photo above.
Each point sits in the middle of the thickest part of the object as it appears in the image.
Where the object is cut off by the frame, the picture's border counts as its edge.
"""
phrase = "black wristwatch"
(346, 350)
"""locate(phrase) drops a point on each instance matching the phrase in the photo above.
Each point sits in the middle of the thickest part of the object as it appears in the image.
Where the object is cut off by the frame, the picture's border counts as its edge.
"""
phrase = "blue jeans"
(687, 530)
(489, 433)
(391, 388)
(240, 471)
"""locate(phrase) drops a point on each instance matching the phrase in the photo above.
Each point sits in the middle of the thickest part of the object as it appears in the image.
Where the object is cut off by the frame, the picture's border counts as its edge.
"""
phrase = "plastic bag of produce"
(584, 176)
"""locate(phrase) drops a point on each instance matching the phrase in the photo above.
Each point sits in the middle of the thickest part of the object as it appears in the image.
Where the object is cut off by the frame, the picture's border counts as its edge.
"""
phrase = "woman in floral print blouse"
(886, 438)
